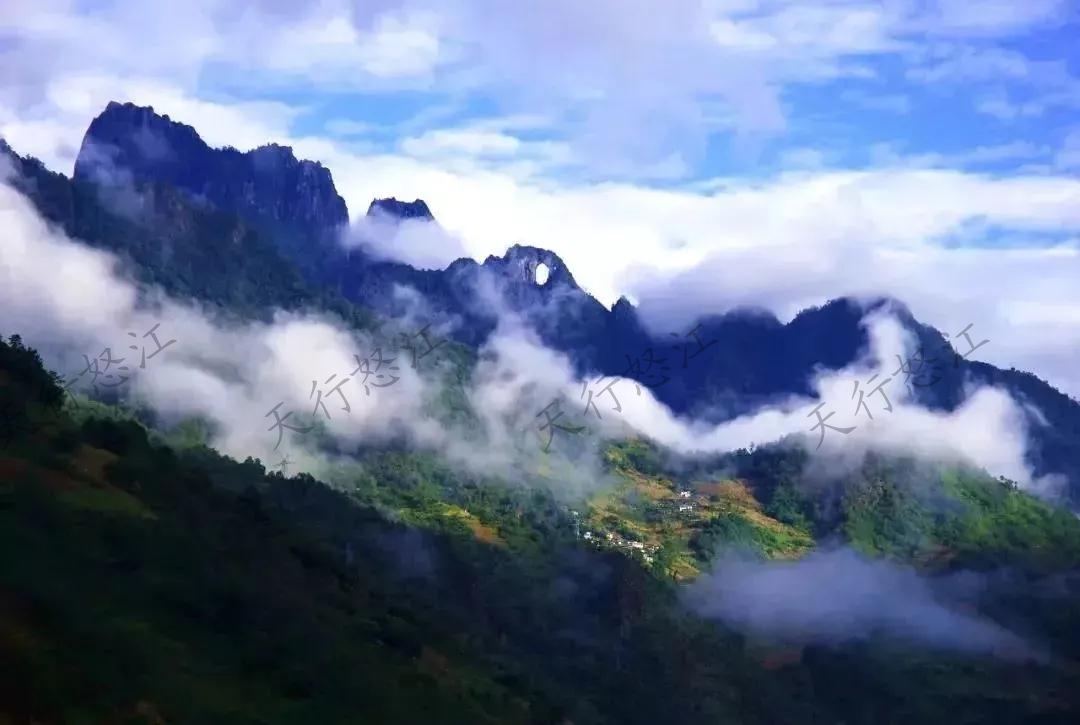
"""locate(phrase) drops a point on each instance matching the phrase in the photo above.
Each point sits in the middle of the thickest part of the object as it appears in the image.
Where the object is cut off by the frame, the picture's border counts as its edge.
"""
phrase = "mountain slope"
(268, 187)
(166, 238)
(187, 587)
(754, 361)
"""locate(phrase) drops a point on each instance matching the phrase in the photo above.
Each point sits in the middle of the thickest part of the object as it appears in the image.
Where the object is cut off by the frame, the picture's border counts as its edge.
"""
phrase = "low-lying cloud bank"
(69, 301)
(837, 596)
(422, 243)
(989, 430)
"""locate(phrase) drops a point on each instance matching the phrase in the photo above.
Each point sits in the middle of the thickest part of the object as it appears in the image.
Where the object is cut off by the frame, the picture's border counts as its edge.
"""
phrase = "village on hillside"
(675, 527)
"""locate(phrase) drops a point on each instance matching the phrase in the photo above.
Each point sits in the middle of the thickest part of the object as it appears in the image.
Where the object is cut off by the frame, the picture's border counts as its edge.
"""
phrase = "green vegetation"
(684, 522)
(141, 582)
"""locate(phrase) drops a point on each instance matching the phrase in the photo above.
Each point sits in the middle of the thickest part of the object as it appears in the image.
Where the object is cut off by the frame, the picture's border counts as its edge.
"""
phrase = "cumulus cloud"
(837, 596)
(685, 68)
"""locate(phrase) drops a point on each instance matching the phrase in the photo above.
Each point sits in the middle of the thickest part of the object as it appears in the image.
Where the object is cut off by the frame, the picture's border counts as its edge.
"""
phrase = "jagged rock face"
(395, 209)
(128, 142)
(518, 267)
(755, 360)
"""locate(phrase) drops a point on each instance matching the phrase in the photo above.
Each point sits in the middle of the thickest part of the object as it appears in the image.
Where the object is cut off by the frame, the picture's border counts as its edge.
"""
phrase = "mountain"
(144, 581)
(165, 237)
(400, 209)
(146, 578)
(752, 360)
(268, 186)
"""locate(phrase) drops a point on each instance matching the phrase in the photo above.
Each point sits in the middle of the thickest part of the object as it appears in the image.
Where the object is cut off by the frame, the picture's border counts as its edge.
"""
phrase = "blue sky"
(663, 93)
(692, 154)
(992, 96)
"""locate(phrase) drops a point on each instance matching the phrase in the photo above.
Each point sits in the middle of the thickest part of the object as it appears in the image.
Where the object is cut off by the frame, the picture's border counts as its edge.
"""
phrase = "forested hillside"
(146, 583)
(438, 571)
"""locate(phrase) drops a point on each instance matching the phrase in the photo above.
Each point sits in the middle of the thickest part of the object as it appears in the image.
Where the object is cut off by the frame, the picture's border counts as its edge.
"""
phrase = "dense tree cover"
(731, 530)
(143, 584)
(899, 507)
(27, 382)
(144, 577)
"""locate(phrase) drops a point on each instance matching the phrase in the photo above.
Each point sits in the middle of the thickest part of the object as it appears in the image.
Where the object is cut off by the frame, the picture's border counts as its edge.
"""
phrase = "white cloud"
(1013, 151)
(965, 64)
(76, 99)
(817, 30)
(638, 88)
(992, 18)
(629, 87)
(784, 243)
(399, 48)
(421, 243)
(838, 596)
(804, 158)
(469, 142)
(68, 301)
(1003, 83)
(988, 430)
(326, 47)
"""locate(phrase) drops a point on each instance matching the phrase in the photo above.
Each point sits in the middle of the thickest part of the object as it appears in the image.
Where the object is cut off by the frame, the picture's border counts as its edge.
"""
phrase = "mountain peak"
(622, 306)
(391, 207)
(521, 262)
(266, 184)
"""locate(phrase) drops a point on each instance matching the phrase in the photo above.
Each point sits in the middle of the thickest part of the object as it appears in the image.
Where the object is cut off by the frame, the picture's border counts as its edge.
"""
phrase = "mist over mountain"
(278, 201)
(434, 533)
(266, 184)
(457, 362)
